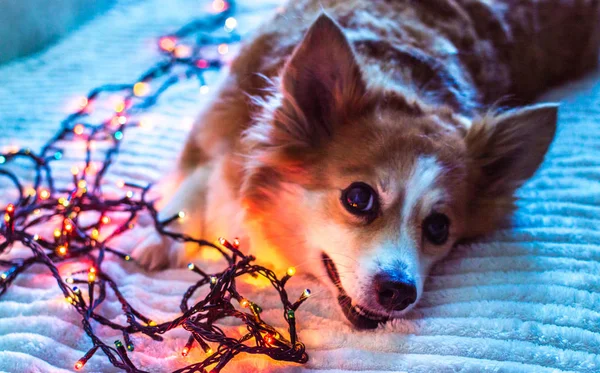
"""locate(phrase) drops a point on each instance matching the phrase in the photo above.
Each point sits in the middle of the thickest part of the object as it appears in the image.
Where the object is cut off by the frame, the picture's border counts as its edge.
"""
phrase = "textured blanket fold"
(525, 300)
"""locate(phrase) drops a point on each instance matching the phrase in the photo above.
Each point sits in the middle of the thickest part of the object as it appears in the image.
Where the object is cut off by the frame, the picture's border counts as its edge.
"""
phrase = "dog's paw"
(152, 250)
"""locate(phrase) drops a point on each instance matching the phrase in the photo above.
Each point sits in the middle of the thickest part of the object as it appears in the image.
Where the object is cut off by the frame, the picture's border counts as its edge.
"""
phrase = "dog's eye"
(360, 199)
(435, 228)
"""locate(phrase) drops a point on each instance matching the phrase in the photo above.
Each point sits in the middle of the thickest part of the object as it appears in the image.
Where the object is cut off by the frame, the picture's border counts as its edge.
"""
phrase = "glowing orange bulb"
(223, 49)
(83, 102)
(291, 271)
(167, 43)
(95, 233)
(62, 250)
(183, 51)
(244, 302)
(79, 365)
(120, 106)
(269, 339)
(44, 194)
(10, 207)
(92, 270)
(221, 240)
(31, 191)
(91, 277)
(68, 227)
(185, 351)
(219, 5)
(236, 242)
(120, 183)
(57, 233)
(6, 218)
(141, 89)
(105, 220)
(78, 129)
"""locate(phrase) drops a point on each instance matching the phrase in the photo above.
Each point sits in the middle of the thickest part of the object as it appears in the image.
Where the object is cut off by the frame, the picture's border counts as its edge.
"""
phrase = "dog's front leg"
(155, 251)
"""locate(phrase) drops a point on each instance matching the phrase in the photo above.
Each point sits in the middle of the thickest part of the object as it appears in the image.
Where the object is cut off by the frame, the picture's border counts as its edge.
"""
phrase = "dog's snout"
(394, 294)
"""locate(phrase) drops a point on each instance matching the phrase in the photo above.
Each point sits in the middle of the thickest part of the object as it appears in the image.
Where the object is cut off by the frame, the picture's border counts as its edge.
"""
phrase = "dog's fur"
(401, 95)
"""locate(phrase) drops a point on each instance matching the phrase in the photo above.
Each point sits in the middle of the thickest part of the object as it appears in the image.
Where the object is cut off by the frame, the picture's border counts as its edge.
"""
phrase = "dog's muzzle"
(357, 315)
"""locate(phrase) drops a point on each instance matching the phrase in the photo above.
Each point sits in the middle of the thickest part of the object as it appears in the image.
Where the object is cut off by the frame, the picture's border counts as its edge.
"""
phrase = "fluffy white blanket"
(525, 300)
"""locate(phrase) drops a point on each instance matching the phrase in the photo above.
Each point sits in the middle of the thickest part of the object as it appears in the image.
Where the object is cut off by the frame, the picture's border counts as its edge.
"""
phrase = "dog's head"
(369, 189)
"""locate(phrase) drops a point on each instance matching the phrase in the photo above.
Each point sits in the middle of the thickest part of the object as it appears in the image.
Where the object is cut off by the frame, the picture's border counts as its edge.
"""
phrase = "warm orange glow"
(68, 227)
(78, 129)
(183, 51)
(79, 365)
(219, 5)
(62, 250)
(269, 339)
(6, 218)
(63, 201)
(83, 102)
(81, 184)
(92, 270)
(223, 49)
(185, 351)
(36, 237)
(244, 303)
(10, 207)
(222, 240)
(44, 194)
(95, 233)
(57, 233)
(120, 106)
(91, 277)
(167, 43)
(236, 242)
(105, 220)
(141, 89)
(291, 271)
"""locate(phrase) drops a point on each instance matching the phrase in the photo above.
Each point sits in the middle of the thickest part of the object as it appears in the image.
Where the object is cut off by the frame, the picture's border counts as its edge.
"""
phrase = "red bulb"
(203, 64)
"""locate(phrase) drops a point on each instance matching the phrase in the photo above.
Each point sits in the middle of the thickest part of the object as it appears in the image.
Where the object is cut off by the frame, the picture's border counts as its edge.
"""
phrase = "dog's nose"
(395, 294)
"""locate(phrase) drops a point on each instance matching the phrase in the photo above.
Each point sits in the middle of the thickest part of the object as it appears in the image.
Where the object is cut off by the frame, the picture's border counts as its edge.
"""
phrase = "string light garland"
(76, 240)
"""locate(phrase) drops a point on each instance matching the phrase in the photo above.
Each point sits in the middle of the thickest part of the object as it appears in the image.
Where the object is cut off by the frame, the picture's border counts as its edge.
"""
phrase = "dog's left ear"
(504, 151)
(321, 85)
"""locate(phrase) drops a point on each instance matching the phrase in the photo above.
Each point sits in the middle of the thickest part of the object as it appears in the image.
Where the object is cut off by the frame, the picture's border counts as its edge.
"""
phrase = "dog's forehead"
(412, 181)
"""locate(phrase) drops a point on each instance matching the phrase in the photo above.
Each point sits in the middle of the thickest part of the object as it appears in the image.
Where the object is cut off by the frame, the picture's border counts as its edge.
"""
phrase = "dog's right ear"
(321, 85)
(504, 151)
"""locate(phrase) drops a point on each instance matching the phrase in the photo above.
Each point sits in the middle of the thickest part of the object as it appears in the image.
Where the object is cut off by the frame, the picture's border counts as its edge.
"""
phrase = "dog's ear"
(321, 85)
(504, 151)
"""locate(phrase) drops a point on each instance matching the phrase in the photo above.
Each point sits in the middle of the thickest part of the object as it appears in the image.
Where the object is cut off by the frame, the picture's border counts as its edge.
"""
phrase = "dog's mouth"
(358, 316)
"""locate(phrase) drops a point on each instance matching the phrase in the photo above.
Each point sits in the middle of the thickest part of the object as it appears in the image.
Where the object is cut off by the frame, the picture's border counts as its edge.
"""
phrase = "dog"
(362, 139)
